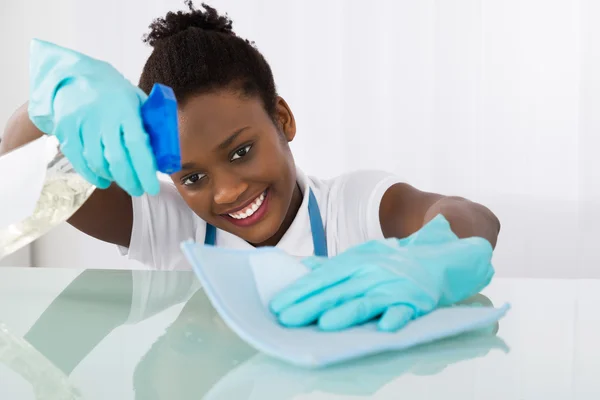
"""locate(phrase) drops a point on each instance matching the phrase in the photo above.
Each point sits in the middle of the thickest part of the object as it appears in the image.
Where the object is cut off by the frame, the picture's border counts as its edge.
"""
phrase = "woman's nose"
(228, 188)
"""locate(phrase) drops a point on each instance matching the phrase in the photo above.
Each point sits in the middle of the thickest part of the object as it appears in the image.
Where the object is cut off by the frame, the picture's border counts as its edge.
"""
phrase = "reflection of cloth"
(155, 291)
(262, 377)
(228, 280)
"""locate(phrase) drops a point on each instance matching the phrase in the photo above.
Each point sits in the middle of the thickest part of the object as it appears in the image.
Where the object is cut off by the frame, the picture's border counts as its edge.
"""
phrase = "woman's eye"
(241, 152)
(192, 179)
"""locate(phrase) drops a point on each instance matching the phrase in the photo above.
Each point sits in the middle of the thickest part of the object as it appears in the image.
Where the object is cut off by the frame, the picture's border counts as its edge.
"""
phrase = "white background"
(497, 101)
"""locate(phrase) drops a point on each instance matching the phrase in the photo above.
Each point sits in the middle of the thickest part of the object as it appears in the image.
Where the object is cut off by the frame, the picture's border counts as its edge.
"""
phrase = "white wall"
(17, 27)
(20, 258)
(493, 100)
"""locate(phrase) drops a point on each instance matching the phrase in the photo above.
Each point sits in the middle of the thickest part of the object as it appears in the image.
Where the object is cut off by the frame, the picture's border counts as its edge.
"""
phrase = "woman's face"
(238, 172)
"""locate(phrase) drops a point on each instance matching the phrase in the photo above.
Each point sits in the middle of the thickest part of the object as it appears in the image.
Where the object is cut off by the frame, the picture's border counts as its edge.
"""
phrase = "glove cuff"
(52, 67)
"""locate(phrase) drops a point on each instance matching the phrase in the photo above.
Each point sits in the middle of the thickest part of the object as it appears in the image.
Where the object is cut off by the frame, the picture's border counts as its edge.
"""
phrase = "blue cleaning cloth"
(241, 283)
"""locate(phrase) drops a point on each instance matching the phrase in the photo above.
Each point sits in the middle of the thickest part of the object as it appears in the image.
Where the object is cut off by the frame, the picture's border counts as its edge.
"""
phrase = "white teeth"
(251, 209)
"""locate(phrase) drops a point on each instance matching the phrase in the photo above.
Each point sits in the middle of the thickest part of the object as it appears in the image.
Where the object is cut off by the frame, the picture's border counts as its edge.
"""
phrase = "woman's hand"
(94, 112)
(397, 280)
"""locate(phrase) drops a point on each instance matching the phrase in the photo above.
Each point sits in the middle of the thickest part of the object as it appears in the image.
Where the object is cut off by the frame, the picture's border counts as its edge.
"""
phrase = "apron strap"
(211, 235)
(316, 226)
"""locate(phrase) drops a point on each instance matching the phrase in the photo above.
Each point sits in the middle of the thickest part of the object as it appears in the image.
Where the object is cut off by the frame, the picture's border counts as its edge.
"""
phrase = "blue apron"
(316, 227)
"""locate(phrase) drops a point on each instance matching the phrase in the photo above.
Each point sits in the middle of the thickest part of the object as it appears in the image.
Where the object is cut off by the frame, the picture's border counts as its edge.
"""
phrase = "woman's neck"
(287, 221)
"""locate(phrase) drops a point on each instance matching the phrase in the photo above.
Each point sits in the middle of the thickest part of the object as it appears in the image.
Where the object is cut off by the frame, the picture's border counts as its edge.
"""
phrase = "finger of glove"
(309, 310)
(315, 281)
(142, 157)
(93, 148)
(354, 312)
(68, 134)
(119, 164)
(395, 318)
(410, 293)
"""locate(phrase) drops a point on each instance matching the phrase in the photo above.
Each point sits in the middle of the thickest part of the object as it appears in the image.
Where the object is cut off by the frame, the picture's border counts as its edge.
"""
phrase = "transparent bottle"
(64, 190)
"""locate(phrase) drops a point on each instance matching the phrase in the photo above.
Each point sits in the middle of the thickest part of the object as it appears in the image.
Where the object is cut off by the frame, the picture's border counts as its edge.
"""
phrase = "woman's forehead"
(209, 120)
(219, 113)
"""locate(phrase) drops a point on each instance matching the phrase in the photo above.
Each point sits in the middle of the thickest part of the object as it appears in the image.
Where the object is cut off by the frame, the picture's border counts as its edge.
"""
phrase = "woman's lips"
(252, 213)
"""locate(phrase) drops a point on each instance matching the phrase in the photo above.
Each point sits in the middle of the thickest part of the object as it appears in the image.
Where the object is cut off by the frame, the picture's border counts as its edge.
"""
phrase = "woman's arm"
(19, 131)
(405, 209)
(82, 316)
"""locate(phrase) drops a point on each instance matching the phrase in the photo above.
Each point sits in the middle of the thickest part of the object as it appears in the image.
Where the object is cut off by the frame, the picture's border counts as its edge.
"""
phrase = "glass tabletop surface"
(107, 334)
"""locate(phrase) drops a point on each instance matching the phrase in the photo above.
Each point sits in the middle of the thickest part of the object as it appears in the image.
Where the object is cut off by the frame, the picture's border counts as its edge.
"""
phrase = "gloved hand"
(94, 112)
(399, 280)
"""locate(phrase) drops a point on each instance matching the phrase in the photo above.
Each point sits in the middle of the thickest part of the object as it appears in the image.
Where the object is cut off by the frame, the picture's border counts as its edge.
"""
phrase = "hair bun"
(174, 23)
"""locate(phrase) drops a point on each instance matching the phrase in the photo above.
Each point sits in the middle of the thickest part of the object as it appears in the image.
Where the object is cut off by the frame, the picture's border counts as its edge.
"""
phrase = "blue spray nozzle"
(159, 115)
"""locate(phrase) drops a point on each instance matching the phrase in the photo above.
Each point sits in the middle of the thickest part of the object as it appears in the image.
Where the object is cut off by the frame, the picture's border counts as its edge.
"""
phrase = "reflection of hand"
(399, 280)
(268, 378)
(430, 359)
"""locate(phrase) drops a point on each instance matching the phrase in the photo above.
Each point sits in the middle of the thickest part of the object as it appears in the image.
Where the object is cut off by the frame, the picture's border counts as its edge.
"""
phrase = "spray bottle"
(65, 191)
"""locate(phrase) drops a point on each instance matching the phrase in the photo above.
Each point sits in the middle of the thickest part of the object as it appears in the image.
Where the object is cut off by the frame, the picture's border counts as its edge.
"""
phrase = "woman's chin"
(265, 233)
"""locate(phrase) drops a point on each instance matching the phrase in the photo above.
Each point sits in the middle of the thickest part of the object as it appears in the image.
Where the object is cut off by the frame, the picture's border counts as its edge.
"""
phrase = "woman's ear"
(285, 119)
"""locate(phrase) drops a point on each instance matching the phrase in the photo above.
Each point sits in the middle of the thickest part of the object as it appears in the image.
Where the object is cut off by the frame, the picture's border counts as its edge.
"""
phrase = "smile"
(250, 213)
(250, 209)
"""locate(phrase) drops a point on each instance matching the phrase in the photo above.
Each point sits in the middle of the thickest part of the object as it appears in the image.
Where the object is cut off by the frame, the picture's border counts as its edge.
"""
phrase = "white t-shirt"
(349, 206)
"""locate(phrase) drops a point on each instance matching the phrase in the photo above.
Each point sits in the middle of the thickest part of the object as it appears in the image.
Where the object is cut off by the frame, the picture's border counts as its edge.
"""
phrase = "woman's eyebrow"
(187, 166)
(227, 142)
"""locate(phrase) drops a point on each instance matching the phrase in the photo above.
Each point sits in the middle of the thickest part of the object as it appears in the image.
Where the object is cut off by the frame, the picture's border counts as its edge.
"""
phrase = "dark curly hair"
(196, 52)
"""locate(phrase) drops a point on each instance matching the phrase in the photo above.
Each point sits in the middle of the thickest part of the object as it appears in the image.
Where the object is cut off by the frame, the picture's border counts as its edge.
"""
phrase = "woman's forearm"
(19, 131)
(467, 218)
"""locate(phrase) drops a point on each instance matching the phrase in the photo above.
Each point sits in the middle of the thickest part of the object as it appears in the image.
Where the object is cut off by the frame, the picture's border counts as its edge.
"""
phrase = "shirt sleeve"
(160, 224)
(355, 198)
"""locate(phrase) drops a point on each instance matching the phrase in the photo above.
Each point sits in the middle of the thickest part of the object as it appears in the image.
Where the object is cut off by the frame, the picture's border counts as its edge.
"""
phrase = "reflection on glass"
(198, 355)
(47, 381)
(267, 378)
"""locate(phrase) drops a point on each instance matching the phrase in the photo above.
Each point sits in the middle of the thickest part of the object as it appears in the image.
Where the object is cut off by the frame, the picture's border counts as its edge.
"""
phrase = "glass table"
(106, 334)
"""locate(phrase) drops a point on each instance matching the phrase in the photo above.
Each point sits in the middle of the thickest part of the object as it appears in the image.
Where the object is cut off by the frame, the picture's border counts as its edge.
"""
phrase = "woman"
(239, 186)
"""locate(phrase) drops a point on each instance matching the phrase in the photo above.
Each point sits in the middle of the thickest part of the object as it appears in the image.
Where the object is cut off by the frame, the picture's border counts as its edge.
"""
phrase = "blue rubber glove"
(94, 112)
(399, 280)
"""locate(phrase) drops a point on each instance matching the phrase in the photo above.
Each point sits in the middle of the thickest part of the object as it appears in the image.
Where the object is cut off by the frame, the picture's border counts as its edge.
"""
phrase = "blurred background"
(496, 101)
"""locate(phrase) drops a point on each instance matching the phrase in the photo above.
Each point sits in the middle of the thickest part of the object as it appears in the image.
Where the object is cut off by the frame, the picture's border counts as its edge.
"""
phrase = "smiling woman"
(238, 172)
(239, 186)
